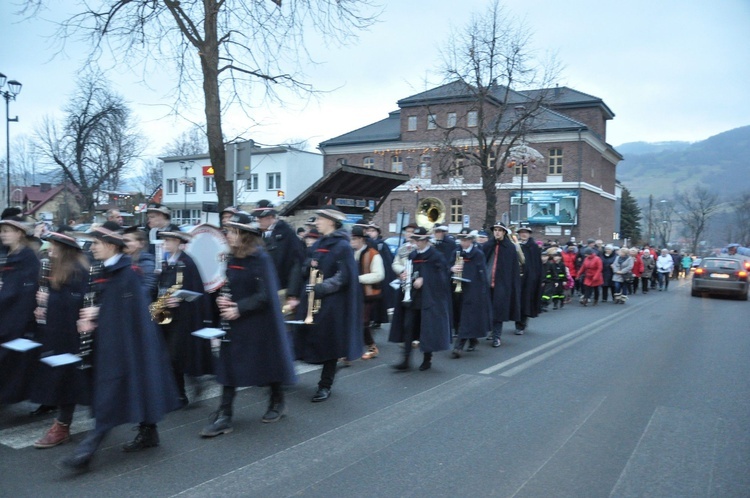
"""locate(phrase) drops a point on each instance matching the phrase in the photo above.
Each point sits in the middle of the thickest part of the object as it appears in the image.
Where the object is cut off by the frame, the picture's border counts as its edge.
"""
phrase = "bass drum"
(209, 249)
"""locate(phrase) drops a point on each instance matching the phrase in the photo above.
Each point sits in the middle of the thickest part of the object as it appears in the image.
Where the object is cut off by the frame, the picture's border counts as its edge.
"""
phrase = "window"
(171, 185)
(368, 162)
(190, 185)
(186, 216)
(457, 211)
(411, 124)
(425, 171)
(458, 168)
(397, 165)
(209, 184)
(491, 160)
(471, 119)
(252, 182)
(273, 181)
(555, 161)
(517, 170)
(451, 123)
(431, 121)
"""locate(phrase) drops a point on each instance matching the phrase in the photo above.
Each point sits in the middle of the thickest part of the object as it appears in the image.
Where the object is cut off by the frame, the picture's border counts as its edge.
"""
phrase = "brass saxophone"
(158, 309)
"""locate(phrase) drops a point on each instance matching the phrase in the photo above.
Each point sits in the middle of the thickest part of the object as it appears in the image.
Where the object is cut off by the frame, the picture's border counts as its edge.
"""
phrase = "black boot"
(221, 423)
(276, 406)
(426, 362)
(148, 437)
(404, 365)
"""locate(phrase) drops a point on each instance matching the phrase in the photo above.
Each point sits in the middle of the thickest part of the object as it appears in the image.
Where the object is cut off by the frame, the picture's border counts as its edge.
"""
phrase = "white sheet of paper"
(59, 360)
(187, 295)
(209, 333)
(21, 344)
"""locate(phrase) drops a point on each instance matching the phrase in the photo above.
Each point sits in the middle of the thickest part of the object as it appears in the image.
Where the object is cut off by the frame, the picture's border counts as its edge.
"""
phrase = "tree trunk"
(209, 56)
(489, 179)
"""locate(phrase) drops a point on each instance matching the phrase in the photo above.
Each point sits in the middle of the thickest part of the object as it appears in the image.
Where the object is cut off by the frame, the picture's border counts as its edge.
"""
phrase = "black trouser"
(606, 289)
(367, 313)
(588, 290)
(65, 413)
(328, 374)
(412, 325)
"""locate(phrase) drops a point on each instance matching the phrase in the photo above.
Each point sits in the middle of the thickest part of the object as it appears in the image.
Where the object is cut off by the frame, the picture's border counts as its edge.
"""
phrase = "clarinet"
(44, 287)
(225, 292)
(86, 340)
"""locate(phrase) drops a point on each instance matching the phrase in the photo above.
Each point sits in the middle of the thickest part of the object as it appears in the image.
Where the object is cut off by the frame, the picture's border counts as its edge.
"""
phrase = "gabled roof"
(39, 195)
(460, 91)
(380, 131)
(349, 183)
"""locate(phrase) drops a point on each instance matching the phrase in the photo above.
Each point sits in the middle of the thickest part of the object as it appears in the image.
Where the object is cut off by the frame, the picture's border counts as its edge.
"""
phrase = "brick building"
(571, 192)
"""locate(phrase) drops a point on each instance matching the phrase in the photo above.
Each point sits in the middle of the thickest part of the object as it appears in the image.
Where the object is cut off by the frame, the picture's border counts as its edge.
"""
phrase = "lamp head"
(14, 87)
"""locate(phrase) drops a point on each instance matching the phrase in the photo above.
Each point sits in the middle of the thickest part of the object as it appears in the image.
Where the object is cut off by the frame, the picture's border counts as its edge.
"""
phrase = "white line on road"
(592, 328)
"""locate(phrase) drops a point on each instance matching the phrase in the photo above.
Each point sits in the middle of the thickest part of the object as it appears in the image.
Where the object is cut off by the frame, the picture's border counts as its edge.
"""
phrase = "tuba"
(430, 212)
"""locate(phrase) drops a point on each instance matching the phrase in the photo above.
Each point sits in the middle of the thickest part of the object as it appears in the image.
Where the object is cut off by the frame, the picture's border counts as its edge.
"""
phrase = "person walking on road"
(664, 268)
(622, 271)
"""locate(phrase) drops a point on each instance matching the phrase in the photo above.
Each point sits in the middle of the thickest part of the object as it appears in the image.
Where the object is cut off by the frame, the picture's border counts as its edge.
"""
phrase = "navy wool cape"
(65, 384)
(388, 294)
(531, 281)
(476, 307)
(132, 377)
(258, 351)
(190, 354)
(506, 297)
(20, 277)
(337, 330)
(287, 252)
(435, 330)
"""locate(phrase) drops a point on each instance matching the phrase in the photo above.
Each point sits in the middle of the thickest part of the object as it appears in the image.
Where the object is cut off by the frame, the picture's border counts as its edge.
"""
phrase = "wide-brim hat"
(183, 237)
(441, 228)
(313, 233)
(359, 231)
(375, 227)
(524, 228)
(244, 221)
(17, 223)
(61, 238)
(109, 232)
(500, 224)
(410, 225)
(230, 209)
(264, 208)
(420, 233)
(482, 233)
(331, 214)
(159, 208)
(466, 233)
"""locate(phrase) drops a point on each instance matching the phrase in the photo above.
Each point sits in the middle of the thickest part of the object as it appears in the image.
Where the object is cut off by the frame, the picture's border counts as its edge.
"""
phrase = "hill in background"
(720, 163)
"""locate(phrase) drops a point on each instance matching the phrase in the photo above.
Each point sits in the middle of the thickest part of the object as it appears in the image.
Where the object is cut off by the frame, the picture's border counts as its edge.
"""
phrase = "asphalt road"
(647, 399)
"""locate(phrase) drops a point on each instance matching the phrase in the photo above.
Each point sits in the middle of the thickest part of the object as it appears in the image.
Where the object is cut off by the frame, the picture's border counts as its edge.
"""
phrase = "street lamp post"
(14, 88)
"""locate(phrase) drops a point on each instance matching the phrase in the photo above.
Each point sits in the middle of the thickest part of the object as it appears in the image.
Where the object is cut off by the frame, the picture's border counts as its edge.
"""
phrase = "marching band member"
(159, 219)
(142, 261)
(336, 331)
(505, 280)
(531, 279)
(189, 355)
(256, 350)
(131, 381)
(445, 243)
(61, 386)
(19, 277)
(371, 276)
(402, 253)
(388, 293)
(474, 310)
(430, 292)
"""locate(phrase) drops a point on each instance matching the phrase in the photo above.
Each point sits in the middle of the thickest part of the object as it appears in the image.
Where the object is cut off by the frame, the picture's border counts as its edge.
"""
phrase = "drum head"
(209, 249)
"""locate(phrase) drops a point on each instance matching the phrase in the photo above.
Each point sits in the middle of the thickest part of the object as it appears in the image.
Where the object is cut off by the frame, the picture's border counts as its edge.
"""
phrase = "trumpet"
(406, 285)
(313, 305)
(458, 276)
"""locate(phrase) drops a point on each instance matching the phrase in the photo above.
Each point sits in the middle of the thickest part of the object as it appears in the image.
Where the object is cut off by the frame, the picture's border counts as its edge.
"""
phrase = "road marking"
(584, 331)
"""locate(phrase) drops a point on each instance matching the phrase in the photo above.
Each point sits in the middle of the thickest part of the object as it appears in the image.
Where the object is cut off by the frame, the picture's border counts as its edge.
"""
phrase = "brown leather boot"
(59, 433)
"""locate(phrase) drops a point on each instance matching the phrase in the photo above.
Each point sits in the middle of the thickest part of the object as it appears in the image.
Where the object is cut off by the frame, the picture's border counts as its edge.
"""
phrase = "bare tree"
(190, 142)
(149, 179)
(665, 210)
(218, 46)
(95, 142)
(487, 63)
(25, 163)
(697, 208)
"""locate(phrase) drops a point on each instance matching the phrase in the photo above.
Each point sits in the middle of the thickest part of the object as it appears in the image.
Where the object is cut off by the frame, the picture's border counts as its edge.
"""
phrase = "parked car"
(722, 275)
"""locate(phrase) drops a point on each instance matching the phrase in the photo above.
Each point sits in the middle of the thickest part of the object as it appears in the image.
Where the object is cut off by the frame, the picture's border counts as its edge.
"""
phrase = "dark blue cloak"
(259, 350)
(476, 307)
(435, 333)
(336, 331)
(506, 297)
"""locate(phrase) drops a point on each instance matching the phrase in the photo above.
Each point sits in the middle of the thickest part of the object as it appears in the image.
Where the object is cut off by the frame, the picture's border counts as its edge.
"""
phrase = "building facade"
(278, 174)
(571, 192)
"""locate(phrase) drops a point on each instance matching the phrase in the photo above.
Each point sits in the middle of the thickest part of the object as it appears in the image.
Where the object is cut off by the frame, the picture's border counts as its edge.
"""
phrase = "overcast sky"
(669, 70)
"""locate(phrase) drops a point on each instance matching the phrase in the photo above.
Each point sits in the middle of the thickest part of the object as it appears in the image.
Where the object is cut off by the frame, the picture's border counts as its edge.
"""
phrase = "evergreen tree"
(630, 217)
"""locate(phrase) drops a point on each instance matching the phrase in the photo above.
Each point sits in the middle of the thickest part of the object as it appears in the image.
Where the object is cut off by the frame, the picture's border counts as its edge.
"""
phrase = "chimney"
(45, 187)
(557, 90)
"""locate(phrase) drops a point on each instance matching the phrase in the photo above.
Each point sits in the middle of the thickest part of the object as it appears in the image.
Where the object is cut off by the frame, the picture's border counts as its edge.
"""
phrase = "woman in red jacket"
(591, 271)
(637, 270)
